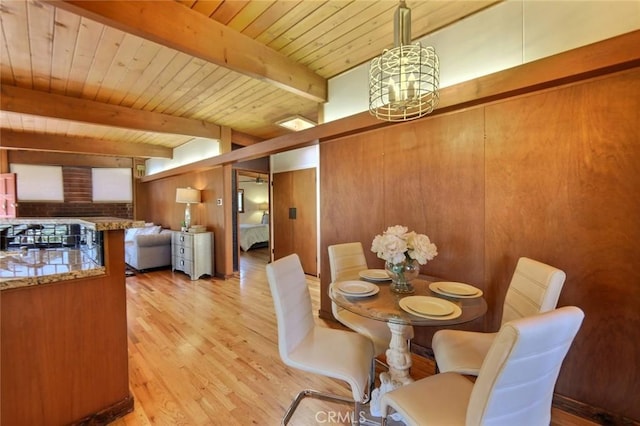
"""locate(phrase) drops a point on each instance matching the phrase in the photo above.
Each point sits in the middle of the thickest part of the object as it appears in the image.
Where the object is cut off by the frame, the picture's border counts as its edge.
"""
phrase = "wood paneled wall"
(553, 175)
(156, 202)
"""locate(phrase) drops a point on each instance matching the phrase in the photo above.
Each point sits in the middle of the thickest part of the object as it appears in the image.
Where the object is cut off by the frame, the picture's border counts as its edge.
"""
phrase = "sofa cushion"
(149, 240)
(147, 230)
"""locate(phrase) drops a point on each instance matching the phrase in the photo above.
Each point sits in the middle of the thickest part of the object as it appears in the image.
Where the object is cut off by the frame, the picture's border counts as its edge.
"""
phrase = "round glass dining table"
(385, 305)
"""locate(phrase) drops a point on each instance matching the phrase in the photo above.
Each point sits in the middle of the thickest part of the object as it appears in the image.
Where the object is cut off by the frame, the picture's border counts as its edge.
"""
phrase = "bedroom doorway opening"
(252, 221)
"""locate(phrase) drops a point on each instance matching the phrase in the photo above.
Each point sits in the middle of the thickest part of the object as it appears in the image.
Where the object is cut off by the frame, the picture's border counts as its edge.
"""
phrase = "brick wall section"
(77, 184)
(78, 200)
(31, 209)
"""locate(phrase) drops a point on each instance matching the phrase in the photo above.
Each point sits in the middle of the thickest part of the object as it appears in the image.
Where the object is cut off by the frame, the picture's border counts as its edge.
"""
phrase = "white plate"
(427, 305)
(356, 288)
(407, 303)
(455, 289)
(375, 275)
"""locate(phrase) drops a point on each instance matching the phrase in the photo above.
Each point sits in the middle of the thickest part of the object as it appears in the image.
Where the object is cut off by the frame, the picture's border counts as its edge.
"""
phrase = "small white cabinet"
(191, 253)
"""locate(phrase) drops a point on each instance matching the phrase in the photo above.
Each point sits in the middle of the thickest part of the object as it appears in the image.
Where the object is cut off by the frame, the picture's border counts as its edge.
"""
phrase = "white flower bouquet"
(397, 245)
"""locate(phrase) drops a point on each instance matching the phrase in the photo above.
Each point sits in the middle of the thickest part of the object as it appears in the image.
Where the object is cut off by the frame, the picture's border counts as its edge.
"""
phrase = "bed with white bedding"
(251, 234)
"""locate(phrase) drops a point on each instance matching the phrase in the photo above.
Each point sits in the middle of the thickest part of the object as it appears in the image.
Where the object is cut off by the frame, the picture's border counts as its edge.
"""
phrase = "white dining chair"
(534, 288)
(514, 385)
(346, 261)
(303, 345)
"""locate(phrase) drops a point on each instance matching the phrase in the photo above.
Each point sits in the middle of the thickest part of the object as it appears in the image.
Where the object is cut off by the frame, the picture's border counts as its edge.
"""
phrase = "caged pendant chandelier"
(404, 81)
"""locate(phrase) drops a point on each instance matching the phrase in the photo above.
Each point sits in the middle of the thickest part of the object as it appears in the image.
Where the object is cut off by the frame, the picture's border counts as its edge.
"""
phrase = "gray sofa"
(146, 248)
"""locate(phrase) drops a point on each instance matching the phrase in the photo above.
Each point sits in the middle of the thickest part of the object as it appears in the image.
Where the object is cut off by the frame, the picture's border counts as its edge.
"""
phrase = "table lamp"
(264, 207)
(187, 196)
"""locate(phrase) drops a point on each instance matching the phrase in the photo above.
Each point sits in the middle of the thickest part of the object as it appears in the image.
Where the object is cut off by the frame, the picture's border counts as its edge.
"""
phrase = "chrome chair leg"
(310, 393)
(313, 394)
(384, 417)
(381, 363)
(372, 380)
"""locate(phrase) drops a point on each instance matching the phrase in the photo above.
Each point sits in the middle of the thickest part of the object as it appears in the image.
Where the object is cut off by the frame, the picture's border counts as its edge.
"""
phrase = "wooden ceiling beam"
(33, 102)
(244, 139)
(173, 25)
(55, 143)
(71, 160)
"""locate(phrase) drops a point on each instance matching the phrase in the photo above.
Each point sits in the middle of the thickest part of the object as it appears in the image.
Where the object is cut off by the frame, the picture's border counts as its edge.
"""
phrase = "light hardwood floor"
(205, 352)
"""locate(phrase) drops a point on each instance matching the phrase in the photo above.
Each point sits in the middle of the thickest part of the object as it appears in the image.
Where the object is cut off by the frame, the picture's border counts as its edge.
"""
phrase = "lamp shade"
(187, 195)
(263, 206)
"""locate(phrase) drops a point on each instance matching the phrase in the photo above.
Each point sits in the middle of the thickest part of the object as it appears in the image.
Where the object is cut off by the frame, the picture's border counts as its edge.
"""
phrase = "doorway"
(252, 224)
(8, 195)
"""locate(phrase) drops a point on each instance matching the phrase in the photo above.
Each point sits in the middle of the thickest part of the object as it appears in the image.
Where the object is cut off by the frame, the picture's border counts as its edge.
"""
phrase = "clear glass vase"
(401, 275)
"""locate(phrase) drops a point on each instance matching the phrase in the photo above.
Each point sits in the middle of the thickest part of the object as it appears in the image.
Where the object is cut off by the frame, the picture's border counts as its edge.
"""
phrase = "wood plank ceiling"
(138, 78)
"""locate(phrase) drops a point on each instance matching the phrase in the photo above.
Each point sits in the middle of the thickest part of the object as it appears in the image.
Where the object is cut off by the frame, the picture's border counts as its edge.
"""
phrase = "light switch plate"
(219, 201)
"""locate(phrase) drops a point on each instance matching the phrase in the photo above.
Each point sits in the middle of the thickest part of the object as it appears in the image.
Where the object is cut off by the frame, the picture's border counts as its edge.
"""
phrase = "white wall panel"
(112, 185)
(38, 183)
(482, 44)
(195, 150)
(552, 27)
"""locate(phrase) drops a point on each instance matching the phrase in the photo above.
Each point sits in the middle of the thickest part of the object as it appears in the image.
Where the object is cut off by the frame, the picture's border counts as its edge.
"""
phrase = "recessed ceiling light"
(296, 123)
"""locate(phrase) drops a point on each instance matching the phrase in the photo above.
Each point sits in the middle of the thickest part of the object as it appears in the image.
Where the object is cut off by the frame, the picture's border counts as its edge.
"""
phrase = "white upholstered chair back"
(516, 381)
(535, 287)
(346, 260)
(292, 303)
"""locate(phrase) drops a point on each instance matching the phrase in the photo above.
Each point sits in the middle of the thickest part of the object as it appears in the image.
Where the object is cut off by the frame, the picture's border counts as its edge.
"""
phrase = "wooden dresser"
(192, 253)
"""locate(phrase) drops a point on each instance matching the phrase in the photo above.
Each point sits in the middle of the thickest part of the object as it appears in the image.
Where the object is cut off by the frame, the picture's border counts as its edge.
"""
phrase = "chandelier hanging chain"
(404, 80)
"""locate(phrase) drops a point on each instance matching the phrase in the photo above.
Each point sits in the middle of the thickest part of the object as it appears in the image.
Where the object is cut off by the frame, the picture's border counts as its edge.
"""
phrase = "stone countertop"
(43, 266)
(95, 223)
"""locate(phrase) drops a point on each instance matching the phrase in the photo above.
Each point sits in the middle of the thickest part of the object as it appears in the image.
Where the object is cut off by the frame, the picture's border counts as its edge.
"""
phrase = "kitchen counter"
(37, 262)
(94, 223)
(42, 266)
(64, 343)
